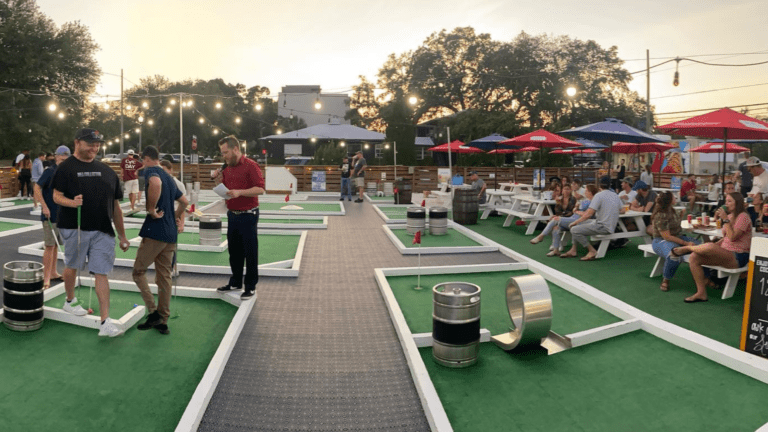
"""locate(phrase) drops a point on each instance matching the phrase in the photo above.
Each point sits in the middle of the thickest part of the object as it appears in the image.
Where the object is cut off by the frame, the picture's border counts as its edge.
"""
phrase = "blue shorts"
(742, 258)
(97, 246)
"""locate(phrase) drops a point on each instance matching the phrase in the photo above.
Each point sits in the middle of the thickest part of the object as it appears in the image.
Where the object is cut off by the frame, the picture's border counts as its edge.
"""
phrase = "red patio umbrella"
(513, 150)
(717, 147)
(572, 151)
(724, 123)
(455, 147)
(540, 139)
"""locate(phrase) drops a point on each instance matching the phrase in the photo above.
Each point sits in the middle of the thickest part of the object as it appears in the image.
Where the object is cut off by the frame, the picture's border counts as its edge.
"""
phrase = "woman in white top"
(714, 189)
(647, 176)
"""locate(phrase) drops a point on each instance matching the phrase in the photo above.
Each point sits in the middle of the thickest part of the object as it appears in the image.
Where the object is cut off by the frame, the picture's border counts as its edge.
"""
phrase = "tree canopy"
(42, 64)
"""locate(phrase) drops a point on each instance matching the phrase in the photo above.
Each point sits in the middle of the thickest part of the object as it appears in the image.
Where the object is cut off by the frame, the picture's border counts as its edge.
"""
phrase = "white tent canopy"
(328, 131)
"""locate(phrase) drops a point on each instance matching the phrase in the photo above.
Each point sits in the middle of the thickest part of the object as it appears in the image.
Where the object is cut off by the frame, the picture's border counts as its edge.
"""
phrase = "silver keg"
(23, 296)
(438, 221)
(416, 220)
(371, 188)
(388, 188)
(210, 230)
(455, 324)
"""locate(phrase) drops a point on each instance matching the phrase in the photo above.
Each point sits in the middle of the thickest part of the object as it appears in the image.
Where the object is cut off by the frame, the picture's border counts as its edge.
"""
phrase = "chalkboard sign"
(754, 332)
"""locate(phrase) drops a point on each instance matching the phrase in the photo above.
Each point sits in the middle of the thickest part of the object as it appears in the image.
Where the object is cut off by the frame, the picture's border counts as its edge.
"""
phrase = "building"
(300, 100)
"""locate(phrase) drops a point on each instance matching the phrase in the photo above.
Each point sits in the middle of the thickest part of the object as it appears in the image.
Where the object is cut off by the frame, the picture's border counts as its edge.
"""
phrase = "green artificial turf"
(401, 212)
(452, 238)
(634, 382)
(624, 274)
(305, 207)
(272, 248)
(7, 226)
(120, 302)
(570, 314)
(66, 378)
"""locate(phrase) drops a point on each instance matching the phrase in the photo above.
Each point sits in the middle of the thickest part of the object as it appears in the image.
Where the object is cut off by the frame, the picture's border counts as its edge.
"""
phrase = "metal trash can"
(465, 205)
(23, 296)
(210, 230)
(455, 324)
(416, 220)
(438, 221)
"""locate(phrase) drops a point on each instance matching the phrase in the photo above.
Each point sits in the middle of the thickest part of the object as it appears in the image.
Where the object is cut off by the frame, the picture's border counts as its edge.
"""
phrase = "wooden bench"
(731, 273)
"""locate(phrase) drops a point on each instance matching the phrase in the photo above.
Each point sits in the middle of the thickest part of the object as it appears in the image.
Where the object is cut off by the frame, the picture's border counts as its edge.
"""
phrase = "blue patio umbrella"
(588, 145)
(491, 142)
(611, 130)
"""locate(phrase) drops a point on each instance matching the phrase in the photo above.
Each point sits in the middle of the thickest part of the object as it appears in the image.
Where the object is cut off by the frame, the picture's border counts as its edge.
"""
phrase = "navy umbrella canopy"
(611, 130)
(491, 142)
(589, 144)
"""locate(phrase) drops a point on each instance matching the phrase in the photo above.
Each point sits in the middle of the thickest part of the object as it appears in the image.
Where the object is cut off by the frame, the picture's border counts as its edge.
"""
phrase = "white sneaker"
(109, 329)
(74, 308)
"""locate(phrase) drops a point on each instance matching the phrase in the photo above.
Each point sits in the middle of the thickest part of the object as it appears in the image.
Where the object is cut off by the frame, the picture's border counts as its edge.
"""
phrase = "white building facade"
(300, 100)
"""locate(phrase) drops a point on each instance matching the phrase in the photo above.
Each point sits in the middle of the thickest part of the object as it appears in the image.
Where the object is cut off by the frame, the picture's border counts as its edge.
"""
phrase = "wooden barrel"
(23, 296)
(465, 206)
(403, 195)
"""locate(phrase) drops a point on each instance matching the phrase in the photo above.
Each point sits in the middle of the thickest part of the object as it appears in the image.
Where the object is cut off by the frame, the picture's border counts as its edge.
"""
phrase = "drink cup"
(213, 173)
(626, 207)
(719, 224)
(765, 208)
(705, 220)
(690, 218)
(698, 220)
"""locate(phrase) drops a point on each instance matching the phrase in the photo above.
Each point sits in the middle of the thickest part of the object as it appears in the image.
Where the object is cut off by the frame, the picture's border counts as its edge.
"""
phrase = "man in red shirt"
(129, 166)
(243, 178)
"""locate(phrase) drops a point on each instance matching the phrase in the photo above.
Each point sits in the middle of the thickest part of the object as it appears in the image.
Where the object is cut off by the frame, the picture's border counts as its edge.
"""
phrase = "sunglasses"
(93, 135)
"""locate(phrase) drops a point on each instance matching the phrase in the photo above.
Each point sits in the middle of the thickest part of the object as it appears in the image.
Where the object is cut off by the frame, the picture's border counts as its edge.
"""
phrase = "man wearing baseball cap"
(48, 215)
(759, 176)
(478, 185)
(128, 167)
(88, 194)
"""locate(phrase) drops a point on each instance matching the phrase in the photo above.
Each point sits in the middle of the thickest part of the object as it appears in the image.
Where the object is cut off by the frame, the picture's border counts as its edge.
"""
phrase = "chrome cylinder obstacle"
(455, 324)
(210, 230)
(530, 307)
(438, 221)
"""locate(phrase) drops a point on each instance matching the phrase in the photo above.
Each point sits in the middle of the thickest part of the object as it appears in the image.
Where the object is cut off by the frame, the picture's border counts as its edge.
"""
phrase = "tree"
(41, 64)
(329, 154)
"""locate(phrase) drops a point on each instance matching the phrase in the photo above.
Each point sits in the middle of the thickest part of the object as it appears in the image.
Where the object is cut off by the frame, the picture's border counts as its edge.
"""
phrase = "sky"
(331, 43)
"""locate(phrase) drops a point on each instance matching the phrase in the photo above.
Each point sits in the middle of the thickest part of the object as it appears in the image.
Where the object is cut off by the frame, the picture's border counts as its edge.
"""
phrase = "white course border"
(5, 204)
(263, 212)
(633, 319)
(486, 246)
(391, 197)
(265, 224)
(287, 268)
(33, 225)
(197, 405)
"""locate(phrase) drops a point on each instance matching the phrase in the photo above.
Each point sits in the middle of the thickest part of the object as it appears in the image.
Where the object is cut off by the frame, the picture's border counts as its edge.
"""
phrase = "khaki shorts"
(131, 187)
(360, 181)
(48, 234)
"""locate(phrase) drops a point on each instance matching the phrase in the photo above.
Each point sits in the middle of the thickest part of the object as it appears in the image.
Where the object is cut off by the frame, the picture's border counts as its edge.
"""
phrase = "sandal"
(553, 252)
(536, 240)
(664, 285)
(46, 286)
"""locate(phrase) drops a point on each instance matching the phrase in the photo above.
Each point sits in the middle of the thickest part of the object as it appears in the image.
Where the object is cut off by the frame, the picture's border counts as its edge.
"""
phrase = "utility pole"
(648, 125)
(122, 133)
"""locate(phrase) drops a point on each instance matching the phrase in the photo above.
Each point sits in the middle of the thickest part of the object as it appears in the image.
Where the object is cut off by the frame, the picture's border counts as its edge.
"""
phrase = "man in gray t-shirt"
(478, 185)
(605, 207)
(359, 174)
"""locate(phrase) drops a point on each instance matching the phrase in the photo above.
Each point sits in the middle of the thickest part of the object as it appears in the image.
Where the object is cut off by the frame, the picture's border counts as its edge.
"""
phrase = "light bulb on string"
(52, 107)
(141, 119)
(237, 120)
(342, 144)
(366, 146)
(218, 105)
(145, 104)
(413, 100)
(202, 120)
(215, 131)
(150, 122)
(61, 115)
(127, 136)
(318, 105)
(190, 103)
(128, 107)
(676, 80)
(173, 101)
(258, 107)
(279, 131)
(168, 110)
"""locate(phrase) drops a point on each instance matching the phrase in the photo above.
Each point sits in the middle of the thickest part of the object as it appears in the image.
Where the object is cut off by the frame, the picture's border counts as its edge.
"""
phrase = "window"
(420, 154)
(379, 149)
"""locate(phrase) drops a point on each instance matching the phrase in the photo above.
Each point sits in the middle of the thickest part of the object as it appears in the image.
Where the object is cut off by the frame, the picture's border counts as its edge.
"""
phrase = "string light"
(570, 91)
(173, 101)
(52, 107)
(202, 120)
(190, 103)
(61, 115)
(366, 146)
(342, 144)
(318, 105)
(145, 104)
(141, 119)
(168, 109)
(313, 139)
(215, 131)
(136, 130)
(279, 131)
(218, 105)
(413, 100)
(237, 120)
(127, 136)
(258, 107)
(128, 107)
(150, 122)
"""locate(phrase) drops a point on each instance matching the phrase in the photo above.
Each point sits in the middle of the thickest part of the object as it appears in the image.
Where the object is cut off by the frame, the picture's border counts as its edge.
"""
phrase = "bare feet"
(568, 254)
(537, 239)
(589, 257)
(694, 299)
(553, 253)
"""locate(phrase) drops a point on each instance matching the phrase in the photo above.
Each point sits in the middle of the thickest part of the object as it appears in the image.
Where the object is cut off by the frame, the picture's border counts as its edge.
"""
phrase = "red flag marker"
(395, 191)
(192, 208)
(417, 237)
(287, 197)
(423, 203)
(519, 222)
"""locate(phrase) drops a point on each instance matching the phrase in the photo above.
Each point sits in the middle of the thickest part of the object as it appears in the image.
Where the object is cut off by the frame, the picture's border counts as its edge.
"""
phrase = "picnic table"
(518, 188)
(497, 199)
(534, 213)
(623, 232)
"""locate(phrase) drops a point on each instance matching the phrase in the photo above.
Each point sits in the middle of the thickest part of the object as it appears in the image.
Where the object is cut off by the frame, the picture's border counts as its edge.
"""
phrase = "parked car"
(592, 164)
(110, 157)
(177, 158)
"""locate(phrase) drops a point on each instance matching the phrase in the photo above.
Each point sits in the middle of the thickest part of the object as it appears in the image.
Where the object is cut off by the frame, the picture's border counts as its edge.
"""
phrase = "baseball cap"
(130, 151)
(605, 182)
(752, 161)
(63, 151)
(472, 172)
(89, 135)
(639, 185)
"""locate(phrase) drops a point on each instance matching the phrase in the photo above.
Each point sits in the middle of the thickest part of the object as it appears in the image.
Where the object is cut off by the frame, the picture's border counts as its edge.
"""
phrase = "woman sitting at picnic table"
(757, 211)
(563, 210)
(560, 223)
(666, 235)
(577, 189)
(732, 251)
(557, 190)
